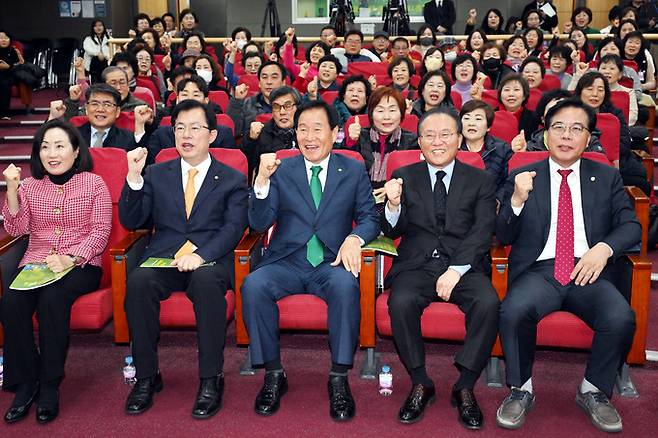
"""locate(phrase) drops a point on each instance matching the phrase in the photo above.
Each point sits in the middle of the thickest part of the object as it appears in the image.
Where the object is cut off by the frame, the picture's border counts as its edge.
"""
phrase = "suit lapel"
(109, 140)
(455, 191)
(210, 183)
(423, 185)
(541, 196)
(177, 179)
(335, 171)
(587, 193)
(300, 180)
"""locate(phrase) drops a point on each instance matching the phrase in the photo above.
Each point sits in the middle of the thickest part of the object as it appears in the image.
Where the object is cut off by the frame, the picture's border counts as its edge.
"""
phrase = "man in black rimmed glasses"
(198, 209)
(444, 212)
(565, 217)
(102, 110)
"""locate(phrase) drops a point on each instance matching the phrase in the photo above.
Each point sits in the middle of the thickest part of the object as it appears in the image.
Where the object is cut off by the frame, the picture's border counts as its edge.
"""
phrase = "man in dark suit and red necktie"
(566, 218)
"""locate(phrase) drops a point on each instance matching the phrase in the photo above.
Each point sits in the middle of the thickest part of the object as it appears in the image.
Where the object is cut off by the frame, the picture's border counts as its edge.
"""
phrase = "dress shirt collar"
(554, 167)
(202, 167)
(439, 3)
(447, 169)
(324, 164)
(93, 134)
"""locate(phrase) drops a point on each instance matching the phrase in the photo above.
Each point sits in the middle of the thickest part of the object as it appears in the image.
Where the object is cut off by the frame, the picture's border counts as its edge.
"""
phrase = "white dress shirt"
(202, 169)
(262, 192)
(580, 237)
(392, 217)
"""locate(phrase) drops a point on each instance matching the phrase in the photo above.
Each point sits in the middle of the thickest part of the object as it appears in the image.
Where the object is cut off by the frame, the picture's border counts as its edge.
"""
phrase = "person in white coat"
(97, 50)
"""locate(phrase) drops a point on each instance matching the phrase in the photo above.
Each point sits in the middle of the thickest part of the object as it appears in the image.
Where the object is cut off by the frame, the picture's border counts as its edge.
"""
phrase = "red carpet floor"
(93, 394)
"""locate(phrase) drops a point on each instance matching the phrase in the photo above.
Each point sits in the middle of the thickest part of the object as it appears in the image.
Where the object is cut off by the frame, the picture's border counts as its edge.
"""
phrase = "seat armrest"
(647, 162)
(639, 300)
(247, 254)
(125, 256)
(641, 205)
(499, 269)
(367, 287)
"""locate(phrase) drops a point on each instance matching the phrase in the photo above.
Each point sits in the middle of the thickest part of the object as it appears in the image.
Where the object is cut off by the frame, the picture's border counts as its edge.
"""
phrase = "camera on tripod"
(340, 13)
(396, 18)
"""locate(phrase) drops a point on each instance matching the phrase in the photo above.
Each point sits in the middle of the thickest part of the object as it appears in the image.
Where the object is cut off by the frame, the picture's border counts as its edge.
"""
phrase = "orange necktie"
(190, 195)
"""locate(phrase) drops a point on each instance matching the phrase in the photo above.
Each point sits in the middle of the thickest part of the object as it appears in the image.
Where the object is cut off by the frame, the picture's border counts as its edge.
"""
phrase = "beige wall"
(154, 8)
(600, 9)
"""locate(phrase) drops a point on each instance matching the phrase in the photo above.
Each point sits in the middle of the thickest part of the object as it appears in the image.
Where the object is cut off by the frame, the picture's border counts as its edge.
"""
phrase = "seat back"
(264, 117)
(251, 80)
(220, 98)
(456, 100)
(504, 126)
(146, 96)
(398, 159)
(533, 99)
(490, 97)
(222, 119)
(520, 159)
(610, 129)
(329, 96)
(621, 99)
(288, 153)
(126, 120)
(367, 68)
(231, 157)
(409, 123)
(364, 121)
(549, 82)
(111, 164)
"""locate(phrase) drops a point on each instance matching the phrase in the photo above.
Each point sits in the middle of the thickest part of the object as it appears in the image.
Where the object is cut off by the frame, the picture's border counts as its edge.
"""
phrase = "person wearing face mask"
(491, 63)
(449, 48)
(432, 61)
(400, 71)
(207, 68)
(386, 109)
(477, 117)
(425, 39)
(279, 132)
(433, 92)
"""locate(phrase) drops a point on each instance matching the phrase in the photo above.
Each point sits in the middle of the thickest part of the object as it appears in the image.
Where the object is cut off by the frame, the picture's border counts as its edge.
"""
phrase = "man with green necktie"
(324, 212)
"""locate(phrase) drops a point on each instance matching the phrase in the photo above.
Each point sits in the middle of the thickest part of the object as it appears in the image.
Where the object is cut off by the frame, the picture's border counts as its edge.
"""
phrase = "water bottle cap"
(386, 369)
(1, 360)
(129, 360)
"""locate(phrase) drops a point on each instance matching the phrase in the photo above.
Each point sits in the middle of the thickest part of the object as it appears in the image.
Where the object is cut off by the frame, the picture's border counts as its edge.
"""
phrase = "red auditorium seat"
(94, 310)
(533, 99)
(550, 82)
(563, 329)
(329, 96)
(610, 127)
(251, 80)
(490, 97)
(126, 120)
(456, 100)
(146, 96)
(177, 310)
(367, 68)
(264, 117)
(220, 98)
(621, 100)
(306, 311)
(505, 126)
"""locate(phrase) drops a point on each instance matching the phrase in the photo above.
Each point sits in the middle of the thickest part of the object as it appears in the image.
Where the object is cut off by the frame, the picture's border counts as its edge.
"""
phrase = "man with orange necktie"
(198, 207)
(565, 217)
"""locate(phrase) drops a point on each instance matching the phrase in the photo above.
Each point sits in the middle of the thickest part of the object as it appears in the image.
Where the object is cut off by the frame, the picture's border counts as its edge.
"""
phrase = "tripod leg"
(262, 27)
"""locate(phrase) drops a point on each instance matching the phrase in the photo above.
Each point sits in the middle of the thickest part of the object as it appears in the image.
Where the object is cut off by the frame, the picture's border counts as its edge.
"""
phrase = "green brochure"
(161, 262)
(383, 244)
(35, 275)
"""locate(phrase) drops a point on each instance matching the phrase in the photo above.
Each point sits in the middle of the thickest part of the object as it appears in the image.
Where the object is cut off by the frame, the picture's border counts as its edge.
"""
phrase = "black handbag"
(29, 74)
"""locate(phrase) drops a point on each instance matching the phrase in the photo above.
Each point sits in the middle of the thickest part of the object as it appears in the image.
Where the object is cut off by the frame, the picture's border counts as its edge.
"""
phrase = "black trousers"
(23, 363)
(6, 82)
(536, 293)
(413, 291)
(206, 288)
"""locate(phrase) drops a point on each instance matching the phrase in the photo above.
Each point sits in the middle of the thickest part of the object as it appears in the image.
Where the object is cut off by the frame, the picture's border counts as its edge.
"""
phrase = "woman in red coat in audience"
(67, 212)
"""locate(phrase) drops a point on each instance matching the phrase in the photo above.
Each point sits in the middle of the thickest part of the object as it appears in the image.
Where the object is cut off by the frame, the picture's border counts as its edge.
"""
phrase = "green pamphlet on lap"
(383, 244)
(162, 262)
(35, 275)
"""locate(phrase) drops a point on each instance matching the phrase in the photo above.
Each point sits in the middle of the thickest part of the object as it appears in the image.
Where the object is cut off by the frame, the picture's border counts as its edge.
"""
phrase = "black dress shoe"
(209, 397)
(47, 413)
(414, 406)
(341, 402)
(18, 412)
(269, 396)
(470, 415)
(140, 398)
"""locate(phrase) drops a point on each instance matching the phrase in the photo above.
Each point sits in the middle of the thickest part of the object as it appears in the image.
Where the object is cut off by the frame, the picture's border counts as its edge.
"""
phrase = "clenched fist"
(241, 91)
(255, 129)
(57, 109)
(393, 193)
(75, 91)
(136, 163)
(12, 176)
(268, 165)
(523, 183)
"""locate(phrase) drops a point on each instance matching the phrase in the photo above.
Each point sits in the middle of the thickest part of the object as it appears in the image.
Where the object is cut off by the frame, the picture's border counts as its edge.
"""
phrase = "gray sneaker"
(600, 410)
(511, 413)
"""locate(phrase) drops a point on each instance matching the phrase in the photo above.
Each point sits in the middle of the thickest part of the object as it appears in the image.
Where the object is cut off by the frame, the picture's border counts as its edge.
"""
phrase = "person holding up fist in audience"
(198, 208)
(243, 110)
(324, 212)
(102, 108)
(67, 212)
(566, 218)
(444, 211)
(513, 93)
(386, 110)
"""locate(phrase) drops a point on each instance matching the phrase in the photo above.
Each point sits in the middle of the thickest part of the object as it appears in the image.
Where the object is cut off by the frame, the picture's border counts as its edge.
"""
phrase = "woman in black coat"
(9, 55)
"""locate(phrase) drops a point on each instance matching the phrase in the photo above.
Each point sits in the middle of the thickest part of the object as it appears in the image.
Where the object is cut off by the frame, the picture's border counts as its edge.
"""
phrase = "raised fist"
(12, 176)
(136, 162)
(394, 192)
(254, 130)
(241, 91)
(268, 165)
(523, 183)
(75, 91)
(57, 109)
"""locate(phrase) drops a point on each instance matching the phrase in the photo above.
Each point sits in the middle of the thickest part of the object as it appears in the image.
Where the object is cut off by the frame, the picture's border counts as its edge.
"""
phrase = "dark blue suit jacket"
(607, 211)
(346, 199)
(163, 138)
(217, 221)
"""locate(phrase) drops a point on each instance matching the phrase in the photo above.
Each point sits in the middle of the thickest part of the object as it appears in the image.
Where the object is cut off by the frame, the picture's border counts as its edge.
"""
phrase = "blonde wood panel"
(154, 8)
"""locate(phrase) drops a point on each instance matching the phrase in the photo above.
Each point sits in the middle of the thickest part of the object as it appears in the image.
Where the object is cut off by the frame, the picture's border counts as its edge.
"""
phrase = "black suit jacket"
(607, 212)
(444, 16)
(469, 226)
(217, 221)
(549, 22)
(163, 138)
(116, 138)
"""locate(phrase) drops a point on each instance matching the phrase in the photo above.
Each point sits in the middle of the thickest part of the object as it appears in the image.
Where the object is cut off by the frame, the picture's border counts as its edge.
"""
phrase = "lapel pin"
(340, 169)
(216, 177)
(593, 178)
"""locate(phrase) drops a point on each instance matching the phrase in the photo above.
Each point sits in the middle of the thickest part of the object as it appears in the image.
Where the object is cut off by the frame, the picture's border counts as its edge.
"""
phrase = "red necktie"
(564, 239)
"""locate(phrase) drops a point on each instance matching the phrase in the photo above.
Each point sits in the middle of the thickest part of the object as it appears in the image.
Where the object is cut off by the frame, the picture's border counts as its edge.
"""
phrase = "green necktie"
(314, 247)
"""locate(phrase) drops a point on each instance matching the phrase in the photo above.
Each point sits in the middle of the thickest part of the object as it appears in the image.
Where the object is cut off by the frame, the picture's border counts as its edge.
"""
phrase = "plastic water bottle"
(1, 371)
(129, 371)
(386, 381)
